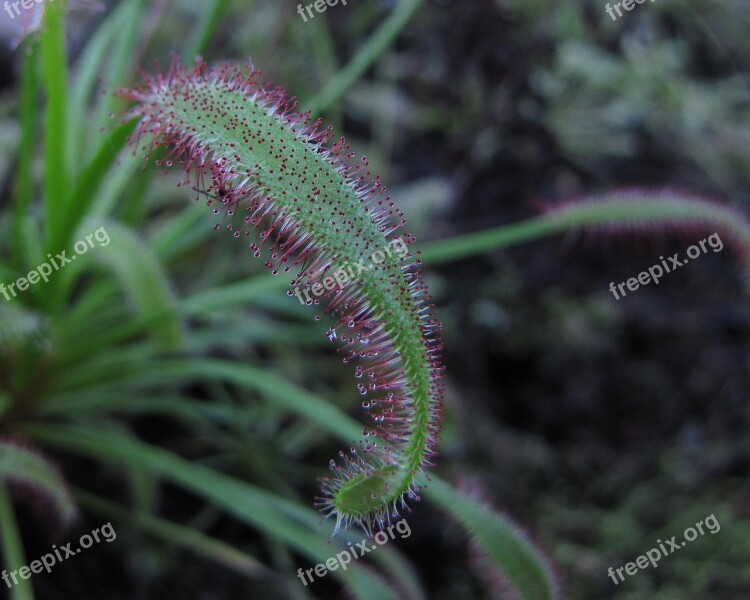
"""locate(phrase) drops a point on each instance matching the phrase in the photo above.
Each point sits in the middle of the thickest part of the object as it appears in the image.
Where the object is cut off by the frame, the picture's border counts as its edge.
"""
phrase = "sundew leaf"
(313, 208)
(22, 467)
(506, 554)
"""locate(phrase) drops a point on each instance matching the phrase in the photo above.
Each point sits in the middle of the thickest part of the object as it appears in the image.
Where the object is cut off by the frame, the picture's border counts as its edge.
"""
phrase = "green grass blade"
(207, 24)
(365, 56)
(56, 173)
(511, 550)
(180, 233)
(232, 294)
(82, 195)
(517, 557)
(12, 546)
(141, 276)
(256, 507)
(120, 58)
(25, 185)
(179, 536)
(284, 393)
(90, 64)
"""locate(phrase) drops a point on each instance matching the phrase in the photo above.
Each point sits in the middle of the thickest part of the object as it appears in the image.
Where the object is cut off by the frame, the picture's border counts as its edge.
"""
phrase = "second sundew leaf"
(317, 209)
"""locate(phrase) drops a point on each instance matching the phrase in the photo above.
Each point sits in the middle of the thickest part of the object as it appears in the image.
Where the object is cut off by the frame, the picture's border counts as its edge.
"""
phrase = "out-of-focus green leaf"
(277, 517)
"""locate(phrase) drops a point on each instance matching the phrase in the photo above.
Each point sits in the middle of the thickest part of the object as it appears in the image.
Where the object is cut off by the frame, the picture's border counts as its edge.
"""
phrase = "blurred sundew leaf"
(501, 542)
(20, 465)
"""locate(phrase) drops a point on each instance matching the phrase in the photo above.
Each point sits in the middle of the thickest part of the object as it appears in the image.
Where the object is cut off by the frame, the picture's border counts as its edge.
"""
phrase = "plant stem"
(471, 244)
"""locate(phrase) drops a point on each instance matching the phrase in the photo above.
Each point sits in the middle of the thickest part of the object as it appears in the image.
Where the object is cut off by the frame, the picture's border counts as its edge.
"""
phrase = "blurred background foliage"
(599, 425)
